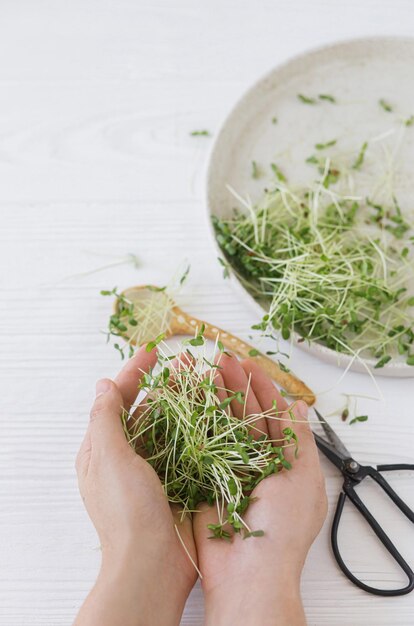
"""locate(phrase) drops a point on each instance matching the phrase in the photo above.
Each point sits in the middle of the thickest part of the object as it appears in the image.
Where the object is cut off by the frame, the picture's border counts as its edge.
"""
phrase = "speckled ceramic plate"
(358, 73)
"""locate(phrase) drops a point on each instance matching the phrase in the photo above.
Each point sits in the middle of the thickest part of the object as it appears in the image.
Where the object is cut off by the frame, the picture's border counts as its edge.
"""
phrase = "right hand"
(255, 581)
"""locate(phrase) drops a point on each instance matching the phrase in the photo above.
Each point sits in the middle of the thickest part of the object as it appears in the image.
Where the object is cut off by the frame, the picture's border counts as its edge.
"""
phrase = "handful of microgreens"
(200, 451)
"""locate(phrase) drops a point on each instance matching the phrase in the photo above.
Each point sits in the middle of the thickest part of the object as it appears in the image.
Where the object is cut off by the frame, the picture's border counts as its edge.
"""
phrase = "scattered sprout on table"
(385, 105)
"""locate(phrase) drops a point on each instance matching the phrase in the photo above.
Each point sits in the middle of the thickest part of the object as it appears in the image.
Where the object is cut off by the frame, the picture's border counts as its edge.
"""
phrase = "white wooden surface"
(97, 102)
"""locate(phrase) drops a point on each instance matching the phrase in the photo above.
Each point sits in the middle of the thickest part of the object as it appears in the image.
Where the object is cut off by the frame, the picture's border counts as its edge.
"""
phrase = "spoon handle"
(186, 324)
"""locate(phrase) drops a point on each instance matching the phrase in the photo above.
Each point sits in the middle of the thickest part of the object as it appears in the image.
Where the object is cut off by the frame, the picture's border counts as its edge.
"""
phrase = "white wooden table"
(97, 102)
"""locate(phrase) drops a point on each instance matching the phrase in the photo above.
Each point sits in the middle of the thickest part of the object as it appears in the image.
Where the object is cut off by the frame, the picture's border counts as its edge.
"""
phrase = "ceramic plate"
(358, 74)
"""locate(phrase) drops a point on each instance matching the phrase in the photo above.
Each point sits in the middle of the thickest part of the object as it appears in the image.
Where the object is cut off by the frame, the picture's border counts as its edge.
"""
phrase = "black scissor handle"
(380, 480)
(348, 491)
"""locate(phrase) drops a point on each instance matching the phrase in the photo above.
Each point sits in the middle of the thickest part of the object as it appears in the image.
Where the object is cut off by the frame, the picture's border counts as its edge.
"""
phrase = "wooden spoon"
(162, 315)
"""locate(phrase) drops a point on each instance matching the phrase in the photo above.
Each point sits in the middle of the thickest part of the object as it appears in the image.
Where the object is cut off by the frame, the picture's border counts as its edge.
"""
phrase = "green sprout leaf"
(358, 418)
(279, 175)
(383, 361)
(328, 144)
(360, 158)
(306, 99)
(327, 97)
(385, 105)
(184, 276)
(253, 533)
(232, 487)
(198, 340)
(283, 367)
(152, 344)
(256, 171)
(226, 267)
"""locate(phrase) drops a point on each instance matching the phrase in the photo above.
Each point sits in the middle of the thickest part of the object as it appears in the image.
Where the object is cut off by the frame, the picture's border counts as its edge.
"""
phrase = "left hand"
(146, 575)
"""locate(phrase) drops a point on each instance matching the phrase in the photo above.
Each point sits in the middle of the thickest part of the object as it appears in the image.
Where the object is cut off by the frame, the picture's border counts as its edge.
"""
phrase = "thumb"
(106, 428)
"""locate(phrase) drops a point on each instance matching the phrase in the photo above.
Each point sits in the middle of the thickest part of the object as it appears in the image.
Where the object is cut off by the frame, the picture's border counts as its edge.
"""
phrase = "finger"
(106, 429)
(134, 425)
(183, 361)
(297, 420)
(131, 375)
(221, 389)
(84, 455)
(236, 379)
(266, 394)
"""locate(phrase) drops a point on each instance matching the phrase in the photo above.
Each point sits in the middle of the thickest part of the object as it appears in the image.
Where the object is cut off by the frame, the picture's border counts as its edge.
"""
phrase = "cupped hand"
(255, 581)
(146, 575)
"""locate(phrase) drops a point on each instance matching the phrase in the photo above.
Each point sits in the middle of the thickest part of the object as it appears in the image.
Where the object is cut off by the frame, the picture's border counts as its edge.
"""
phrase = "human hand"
(256, 581)
(145, 575)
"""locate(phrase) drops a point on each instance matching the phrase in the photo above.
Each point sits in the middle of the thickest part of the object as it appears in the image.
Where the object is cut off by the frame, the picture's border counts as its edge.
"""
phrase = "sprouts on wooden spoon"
(143, 313)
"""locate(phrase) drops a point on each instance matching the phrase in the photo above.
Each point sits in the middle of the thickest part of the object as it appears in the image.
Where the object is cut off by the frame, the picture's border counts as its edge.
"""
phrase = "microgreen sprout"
(323, 146)
(278, 173)
(198, 340)
(129, 258)
(306, 99)
(256, 170)
(327, 97)
(226, 267)
(358, 418)
(200, 133)
(360, 158)
(118, 322)
(152, 344)
(385, 105)
(200, 452)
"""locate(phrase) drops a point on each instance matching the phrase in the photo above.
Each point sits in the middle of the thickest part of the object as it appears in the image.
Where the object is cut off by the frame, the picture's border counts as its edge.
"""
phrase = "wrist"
(256, 602)
(141, 582)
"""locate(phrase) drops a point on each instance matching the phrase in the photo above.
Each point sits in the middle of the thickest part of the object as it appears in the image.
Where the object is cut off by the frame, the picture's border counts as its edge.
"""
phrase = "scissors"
(354, 474)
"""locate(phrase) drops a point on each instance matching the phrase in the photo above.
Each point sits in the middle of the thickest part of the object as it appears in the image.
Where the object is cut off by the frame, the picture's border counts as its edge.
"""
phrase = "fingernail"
(102, 386)
(302, 409)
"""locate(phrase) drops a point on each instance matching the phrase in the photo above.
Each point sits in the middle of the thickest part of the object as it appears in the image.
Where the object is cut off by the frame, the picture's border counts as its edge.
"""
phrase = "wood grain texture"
(97, 102)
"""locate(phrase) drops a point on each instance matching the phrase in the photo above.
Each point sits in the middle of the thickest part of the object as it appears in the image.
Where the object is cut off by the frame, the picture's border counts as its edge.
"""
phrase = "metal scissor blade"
(333, 438)
(329, 451)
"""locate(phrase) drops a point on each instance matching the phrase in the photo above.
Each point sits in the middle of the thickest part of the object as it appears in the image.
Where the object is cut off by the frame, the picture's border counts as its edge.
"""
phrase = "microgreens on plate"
(334, 267)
